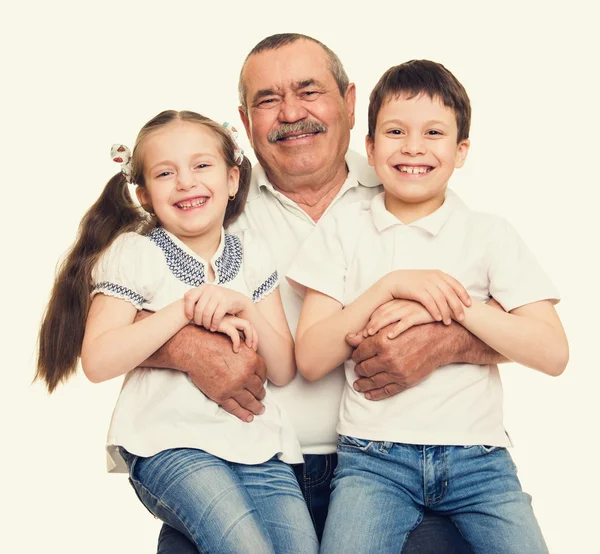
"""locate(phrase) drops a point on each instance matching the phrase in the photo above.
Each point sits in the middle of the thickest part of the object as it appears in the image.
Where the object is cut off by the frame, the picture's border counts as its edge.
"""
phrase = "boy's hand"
(405, 313)
(441, 294)
(232, 326)
(206, 305)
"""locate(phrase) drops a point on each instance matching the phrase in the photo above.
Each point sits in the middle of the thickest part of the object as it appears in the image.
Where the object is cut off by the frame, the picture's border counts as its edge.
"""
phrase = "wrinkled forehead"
(287, 68)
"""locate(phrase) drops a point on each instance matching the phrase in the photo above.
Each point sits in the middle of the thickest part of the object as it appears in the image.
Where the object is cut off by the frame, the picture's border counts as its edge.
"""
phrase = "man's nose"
(292, 110)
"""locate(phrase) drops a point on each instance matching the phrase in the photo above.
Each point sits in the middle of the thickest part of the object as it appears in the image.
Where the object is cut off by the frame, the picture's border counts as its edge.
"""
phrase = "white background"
(79, 76)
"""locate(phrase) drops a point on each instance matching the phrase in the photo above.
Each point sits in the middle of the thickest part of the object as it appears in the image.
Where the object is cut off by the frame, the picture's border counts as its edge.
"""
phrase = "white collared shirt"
(159, 409)
(312, 407)
(458, 404)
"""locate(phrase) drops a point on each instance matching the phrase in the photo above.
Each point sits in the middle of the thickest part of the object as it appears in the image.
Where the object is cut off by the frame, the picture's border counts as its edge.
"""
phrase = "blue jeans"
(224, 507)
(476, 486)
(435, 535)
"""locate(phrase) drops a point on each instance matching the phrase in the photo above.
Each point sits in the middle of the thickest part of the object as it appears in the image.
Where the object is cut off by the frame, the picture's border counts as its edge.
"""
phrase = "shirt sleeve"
(322, 261)
(516, 278)
(260, 269)
(123, 271)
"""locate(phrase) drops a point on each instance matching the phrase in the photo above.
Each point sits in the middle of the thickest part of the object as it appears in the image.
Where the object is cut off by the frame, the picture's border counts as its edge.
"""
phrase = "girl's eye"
(163, 174)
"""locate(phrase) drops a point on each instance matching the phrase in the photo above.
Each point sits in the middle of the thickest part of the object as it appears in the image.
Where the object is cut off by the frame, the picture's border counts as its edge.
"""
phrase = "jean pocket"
(486, 448)
(344, 441)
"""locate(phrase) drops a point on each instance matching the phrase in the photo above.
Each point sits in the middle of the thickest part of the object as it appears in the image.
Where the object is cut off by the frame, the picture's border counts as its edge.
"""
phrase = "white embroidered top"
(159, 409)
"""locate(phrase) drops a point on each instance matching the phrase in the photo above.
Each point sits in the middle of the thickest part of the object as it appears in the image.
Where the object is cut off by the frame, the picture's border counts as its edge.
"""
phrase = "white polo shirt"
(312, 407)
(159, 409)
(459, 404)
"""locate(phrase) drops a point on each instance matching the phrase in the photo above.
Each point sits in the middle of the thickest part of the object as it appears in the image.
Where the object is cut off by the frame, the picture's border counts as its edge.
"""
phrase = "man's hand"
(386, 366)
(235, 381)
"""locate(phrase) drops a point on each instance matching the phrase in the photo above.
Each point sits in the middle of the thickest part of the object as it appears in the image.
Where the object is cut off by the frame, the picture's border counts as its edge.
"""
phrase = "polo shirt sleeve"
(260, 270)
(321, 263)
(124, 270)
(516, 278)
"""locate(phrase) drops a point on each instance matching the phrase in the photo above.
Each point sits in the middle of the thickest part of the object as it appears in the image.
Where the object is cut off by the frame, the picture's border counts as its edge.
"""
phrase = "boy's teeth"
(413, 170)
(192, 204)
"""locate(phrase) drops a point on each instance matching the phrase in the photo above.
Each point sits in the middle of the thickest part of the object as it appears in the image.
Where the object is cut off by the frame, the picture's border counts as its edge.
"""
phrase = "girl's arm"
(113, 344)
(531, 335)
(208, 304)
(275, 343)
(321, 336)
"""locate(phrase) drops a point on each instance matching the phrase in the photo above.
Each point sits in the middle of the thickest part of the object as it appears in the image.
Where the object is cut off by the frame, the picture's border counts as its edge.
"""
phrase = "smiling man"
(297, 106)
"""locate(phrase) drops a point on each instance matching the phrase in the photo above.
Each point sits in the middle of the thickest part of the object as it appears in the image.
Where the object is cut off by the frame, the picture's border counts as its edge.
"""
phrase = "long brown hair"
(114, 213)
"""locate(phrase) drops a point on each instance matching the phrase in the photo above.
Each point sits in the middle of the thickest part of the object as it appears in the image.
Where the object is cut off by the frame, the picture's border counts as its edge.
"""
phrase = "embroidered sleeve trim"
(266, 288)
(118, 291)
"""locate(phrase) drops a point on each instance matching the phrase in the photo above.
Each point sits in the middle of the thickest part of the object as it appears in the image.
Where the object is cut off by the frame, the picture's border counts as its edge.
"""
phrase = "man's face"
(297, 120)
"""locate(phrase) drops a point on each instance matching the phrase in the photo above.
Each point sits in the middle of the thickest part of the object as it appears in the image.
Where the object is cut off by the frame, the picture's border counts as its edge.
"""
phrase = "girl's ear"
(233, 180)
(144, 198)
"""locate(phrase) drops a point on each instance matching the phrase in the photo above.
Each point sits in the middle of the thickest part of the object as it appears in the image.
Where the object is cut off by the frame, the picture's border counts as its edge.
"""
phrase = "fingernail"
(350, 335)
(249, 418)
(368, 396)
(461, 317)
(355, 386)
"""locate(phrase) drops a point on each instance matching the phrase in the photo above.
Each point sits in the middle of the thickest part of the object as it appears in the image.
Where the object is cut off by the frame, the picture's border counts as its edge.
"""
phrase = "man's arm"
(235, 381)
(386, 367)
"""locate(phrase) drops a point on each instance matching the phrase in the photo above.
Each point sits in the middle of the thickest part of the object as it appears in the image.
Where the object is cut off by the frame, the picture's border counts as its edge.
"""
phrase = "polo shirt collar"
(359, 171)
(432, 223)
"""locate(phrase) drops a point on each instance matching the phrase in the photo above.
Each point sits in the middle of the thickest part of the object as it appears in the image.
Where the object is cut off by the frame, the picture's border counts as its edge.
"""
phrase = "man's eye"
(267, 101)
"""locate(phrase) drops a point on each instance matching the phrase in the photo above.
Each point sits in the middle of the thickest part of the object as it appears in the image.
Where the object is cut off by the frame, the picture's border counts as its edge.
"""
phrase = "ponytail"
(63, 325)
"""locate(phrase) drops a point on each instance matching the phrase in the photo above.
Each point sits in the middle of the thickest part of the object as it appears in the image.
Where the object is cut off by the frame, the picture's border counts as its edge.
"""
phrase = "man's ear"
(461, 153)
(246, 121)
(144, 198)
(370, 145)
(350, 101)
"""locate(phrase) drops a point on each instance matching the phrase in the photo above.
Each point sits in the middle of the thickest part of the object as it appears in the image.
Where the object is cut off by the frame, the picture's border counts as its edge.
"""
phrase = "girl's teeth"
(193, 204)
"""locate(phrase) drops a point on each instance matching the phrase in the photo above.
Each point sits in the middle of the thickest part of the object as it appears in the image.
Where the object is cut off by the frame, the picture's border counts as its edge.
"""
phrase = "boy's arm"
(531, 335)
(386, 367)
(235, 381)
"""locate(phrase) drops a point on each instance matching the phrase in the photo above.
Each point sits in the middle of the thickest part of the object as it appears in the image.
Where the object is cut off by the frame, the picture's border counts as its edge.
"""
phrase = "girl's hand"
(206, 305)
(441, 294)
(406, 312)
(232, 326)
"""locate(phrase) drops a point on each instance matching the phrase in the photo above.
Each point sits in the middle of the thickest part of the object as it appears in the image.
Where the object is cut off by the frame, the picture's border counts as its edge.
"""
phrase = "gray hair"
(274, 42)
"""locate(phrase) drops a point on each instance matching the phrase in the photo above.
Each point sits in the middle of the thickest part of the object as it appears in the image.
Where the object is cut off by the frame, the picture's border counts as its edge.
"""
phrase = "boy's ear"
(370, 145)
(144, 198)
(233, 180)
(461, 153)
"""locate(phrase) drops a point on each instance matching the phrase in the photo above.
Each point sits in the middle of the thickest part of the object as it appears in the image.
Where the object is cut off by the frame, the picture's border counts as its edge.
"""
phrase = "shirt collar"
(359, 172)
(432, 223)
(189, 267)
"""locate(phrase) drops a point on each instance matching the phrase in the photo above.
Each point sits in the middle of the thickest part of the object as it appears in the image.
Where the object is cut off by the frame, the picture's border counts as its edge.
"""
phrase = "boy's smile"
(414, 152)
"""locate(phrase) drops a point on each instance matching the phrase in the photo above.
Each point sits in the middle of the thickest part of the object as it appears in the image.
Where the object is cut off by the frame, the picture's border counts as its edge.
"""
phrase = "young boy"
(416, 254)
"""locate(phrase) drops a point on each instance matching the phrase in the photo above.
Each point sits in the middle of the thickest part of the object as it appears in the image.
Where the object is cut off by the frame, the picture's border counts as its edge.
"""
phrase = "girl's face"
(188, 183)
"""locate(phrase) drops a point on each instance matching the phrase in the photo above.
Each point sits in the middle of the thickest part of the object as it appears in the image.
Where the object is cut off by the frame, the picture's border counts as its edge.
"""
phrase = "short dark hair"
(274, 42)
(417, 77)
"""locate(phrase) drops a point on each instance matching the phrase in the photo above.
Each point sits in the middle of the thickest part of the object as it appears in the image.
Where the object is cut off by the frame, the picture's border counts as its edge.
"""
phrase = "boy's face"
(415, 149)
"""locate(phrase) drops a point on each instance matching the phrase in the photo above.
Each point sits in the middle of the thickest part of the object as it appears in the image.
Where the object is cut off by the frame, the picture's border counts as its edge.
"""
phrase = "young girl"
(220, 481)
(441, 444)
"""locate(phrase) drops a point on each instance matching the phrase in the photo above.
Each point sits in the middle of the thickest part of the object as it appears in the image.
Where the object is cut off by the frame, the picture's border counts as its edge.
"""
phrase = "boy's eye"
(395, 132)
(201, 166)
(434, 132)
(163, 174)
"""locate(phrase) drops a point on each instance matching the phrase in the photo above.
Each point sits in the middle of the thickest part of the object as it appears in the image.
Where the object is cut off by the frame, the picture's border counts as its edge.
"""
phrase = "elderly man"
(297, 106)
